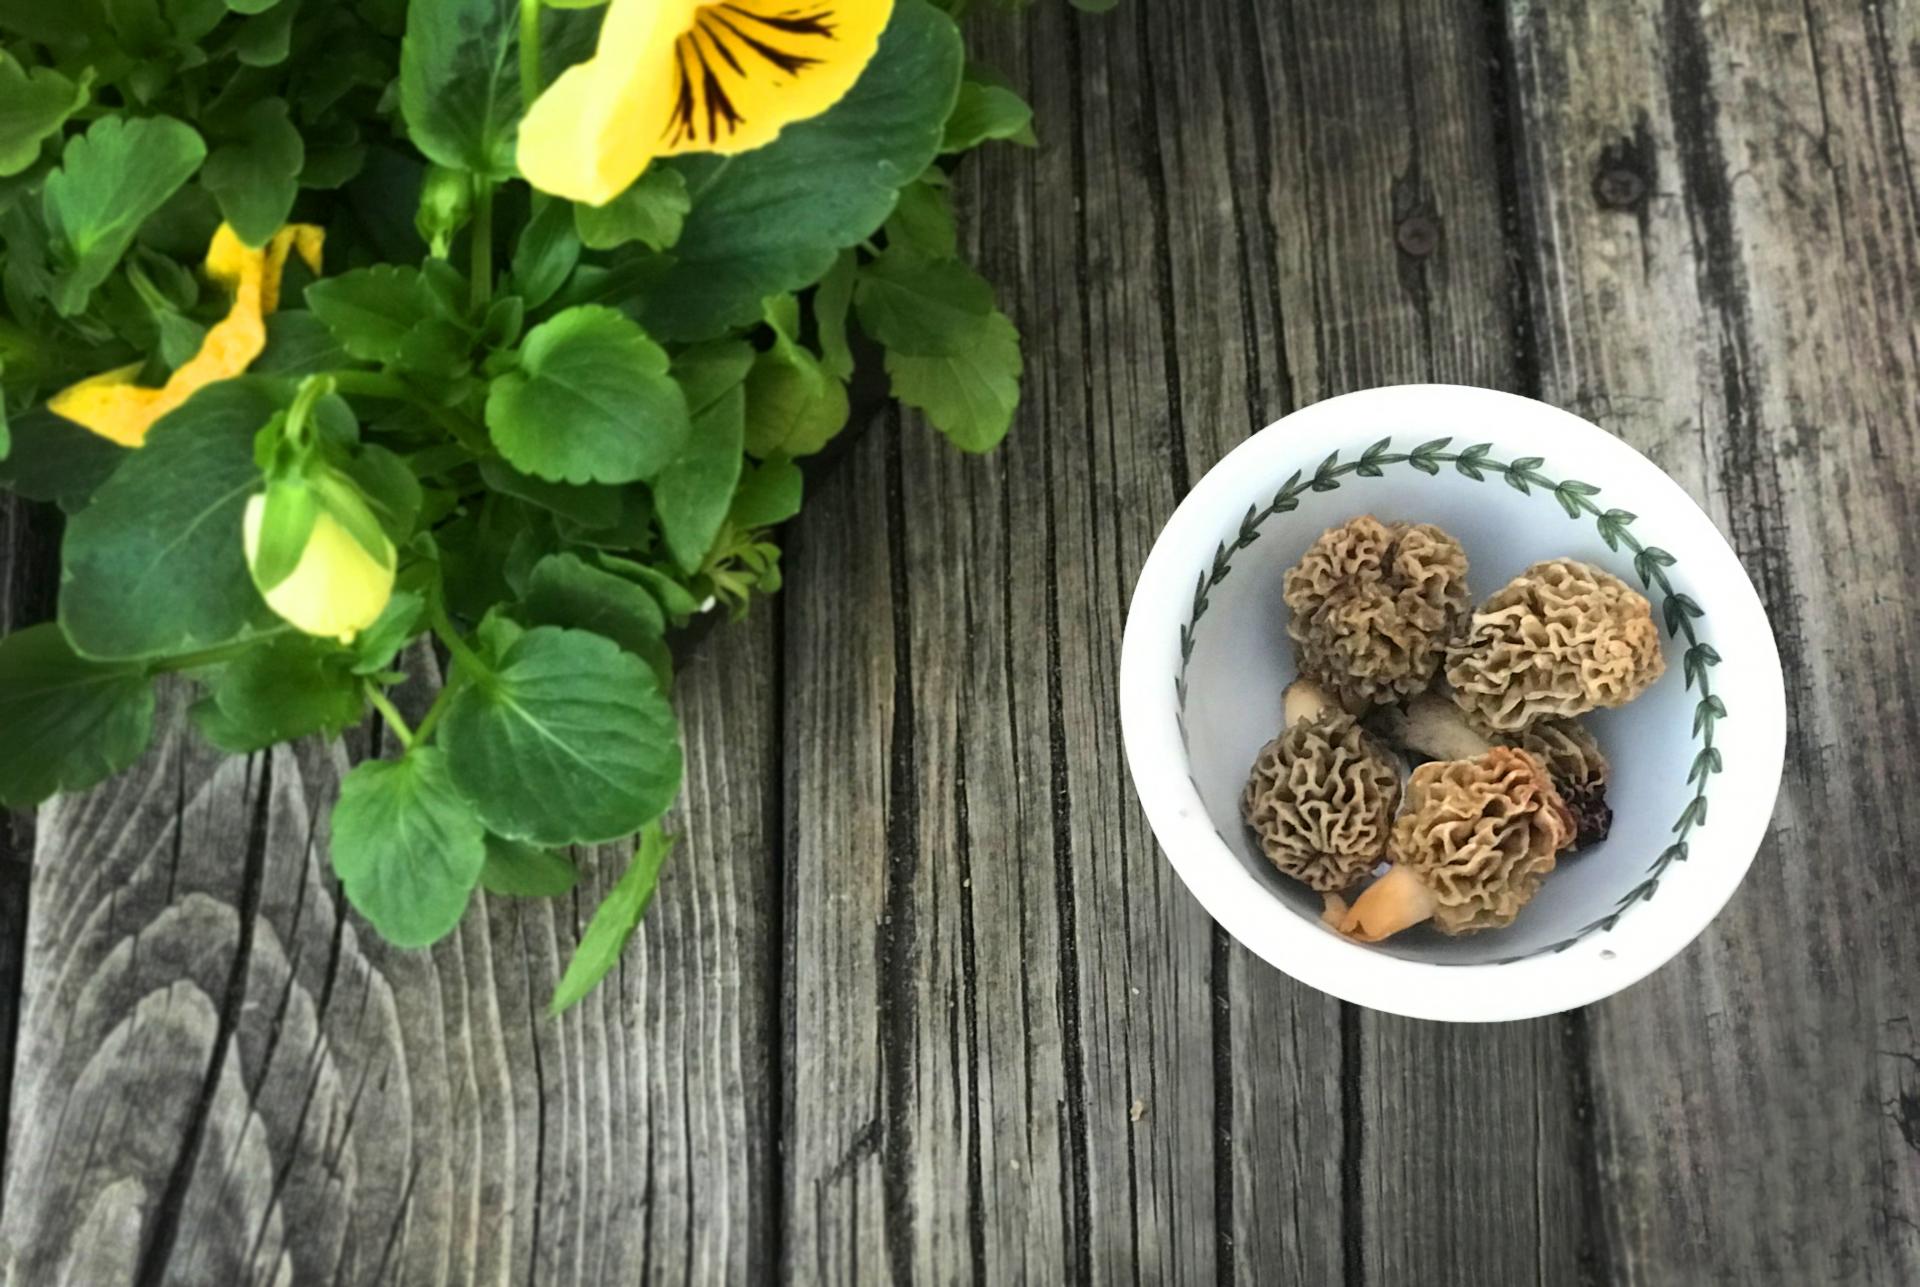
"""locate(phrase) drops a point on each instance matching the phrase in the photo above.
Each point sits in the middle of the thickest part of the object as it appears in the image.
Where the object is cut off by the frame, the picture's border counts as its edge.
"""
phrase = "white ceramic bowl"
(1696, 760)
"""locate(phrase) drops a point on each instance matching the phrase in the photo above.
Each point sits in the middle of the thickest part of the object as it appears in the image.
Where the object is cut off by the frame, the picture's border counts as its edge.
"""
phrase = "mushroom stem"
(1390, 904)
(1303, 700)
(1334, 909)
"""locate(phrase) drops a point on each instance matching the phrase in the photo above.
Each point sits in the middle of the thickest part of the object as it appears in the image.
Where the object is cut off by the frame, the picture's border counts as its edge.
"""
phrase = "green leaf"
(520, 870)
(831, 303)
(672, 595)
(570, 740)
(460, 83)
(591, 402)
(924, 309)
(691, 495)
(154, 565)
(591, 505)
(110, 179)
(793, 406)
(389, 314)
(266, 40)
(548, 248)
(564, 590)
(983, 112)
(299, 343)
(69, 723)
(52, 459)
(34, 104)
(256, 176)
(768, 496)
(407, 849)
(773, 219)
(969, 397)
(391, 631)
(651, 211)
(290, 687)
(922, 222)
(614, 921)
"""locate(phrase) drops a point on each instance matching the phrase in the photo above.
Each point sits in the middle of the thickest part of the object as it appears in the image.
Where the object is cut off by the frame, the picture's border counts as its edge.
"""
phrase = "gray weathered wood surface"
(921, 1000)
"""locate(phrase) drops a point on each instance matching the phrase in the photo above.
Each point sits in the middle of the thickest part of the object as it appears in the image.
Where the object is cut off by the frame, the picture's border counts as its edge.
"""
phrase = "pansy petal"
(303, 239)
(581, 140)
(746, 69)
(110, 404)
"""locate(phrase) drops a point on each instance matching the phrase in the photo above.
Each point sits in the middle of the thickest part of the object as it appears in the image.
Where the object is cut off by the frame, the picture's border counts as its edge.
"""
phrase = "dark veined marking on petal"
(812, 24)
(786, 62)
(680, 122)
(720, 45)
(718, 103)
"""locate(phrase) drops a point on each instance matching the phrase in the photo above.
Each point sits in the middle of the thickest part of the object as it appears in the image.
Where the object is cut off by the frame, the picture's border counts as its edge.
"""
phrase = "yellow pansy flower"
(673, 76)
(114, 407)
(337, 589)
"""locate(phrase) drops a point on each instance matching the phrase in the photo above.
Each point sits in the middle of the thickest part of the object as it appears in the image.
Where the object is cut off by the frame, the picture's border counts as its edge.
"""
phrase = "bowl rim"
(1544, 983)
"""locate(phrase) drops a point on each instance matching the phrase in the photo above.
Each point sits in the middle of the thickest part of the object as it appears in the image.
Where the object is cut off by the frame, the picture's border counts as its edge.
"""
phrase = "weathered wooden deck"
(921, 1000)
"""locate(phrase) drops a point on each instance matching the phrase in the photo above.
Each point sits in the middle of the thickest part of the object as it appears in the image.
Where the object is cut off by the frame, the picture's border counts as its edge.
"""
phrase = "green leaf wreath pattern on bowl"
(1650, 563)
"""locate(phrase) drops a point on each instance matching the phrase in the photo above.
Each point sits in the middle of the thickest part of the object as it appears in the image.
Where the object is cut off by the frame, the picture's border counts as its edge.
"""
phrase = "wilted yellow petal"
(110, 404)
(114, 407)
(337, 589)
(674, 76)
(303, 239)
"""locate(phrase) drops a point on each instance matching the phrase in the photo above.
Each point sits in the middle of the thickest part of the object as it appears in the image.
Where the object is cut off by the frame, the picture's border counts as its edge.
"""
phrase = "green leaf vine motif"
(1650, 563)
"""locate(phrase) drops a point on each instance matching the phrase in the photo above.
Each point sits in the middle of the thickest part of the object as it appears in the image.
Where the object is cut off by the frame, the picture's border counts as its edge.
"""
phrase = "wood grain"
(1725, 230)
(222, 1078)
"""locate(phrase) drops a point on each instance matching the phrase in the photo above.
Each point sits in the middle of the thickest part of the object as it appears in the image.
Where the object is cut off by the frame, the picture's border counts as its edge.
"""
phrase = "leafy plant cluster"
(577, 426)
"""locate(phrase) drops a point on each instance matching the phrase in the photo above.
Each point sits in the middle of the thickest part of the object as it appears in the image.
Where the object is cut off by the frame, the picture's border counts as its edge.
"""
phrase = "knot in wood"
(1418, 235)
(1619, 188)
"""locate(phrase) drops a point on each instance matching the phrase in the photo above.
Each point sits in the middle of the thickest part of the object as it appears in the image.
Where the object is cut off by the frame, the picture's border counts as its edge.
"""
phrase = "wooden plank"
(1150, 306)
(1394, 263)
(1001, 999)
(222, 1079)
(1725, 219)
(29, 570)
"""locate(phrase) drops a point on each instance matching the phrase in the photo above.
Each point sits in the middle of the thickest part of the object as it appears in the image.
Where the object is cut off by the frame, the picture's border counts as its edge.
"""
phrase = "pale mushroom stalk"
(1303, 700)
(1396, 901)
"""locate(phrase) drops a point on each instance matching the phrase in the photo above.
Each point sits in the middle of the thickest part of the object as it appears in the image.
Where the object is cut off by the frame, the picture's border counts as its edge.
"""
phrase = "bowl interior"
(1242, 659)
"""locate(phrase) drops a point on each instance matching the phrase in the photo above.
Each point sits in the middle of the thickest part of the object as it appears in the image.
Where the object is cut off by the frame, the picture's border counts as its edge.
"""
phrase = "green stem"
(394, 719)
(439, 708)
(312, 389)
(210, 656)
(464, 658)
(482, 284)
(529, 53)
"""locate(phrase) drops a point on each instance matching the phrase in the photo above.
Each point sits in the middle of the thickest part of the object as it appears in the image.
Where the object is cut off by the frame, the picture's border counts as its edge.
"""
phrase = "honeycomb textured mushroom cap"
(1320, 800)
(1559, 640)
(1579, 770)
(1481, 835)
(1371, 607)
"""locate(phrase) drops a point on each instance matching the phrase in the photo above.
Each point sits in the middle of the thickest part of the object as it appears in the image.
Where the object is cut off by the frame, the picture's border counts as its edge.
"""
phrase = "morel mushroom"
(1476, 840)
(1321, 796)
(1433, 726)
(1579, 771)
(1560, 639)
(1371, 607)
